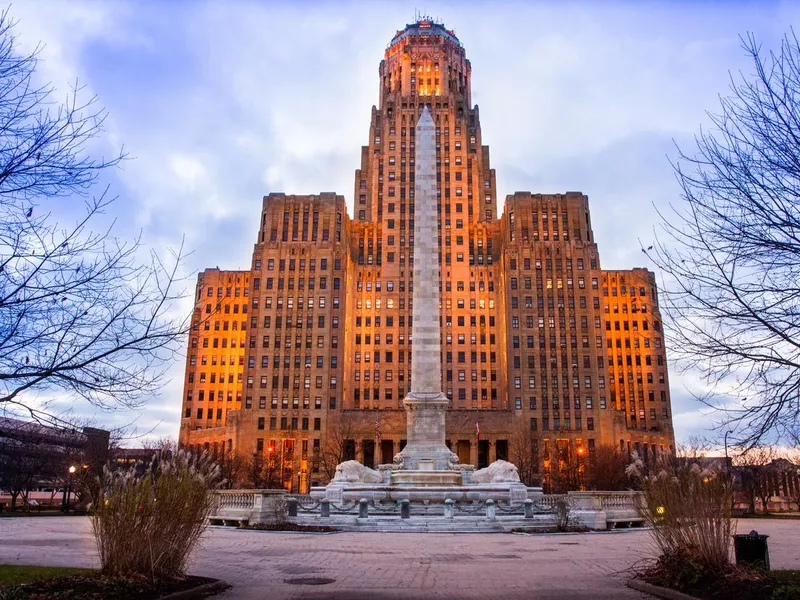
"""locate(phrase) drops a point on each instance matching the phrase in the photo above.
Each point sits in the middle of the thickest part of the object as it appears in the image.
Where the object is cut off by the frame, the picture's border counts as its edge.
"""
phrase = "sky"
(220, 103)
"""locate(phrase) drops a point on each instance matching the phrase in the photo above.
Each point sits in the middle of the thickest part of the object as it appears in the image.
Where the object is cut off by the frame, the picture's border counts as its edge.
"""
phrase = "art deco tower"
(425, 66)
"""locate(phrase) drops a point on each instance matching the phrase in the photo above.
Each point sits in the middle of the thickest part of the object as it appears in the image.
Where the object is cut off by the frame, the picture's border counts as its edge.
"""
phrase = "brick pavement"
(263, 565)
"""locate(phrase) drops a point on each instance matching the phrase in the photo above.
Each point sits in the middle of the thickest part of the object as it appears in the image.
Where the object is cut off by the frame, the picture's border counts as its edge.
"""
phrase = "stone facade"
(526, 364)
(215, 356)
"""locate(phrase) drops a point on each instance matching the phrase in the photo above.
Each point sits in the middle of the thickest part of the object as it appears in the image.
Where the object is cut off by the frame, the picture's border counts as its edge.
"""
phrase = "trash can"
(751, 549)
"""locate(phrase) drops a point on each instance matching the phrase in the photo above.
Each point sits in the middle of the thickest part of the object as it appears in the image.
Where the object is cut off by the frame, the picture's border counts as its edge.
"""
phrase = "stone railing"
(622, 500)
(610, 508)
(550, 500)
(234, 500)
(232, 507)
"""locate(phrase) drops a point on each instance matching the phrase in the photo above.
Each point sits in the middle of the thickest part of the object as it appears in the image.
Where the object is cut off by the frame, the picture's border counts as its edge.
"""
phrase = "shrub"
(563, 514)
(278, 508)
(688, 510)
(148, 524)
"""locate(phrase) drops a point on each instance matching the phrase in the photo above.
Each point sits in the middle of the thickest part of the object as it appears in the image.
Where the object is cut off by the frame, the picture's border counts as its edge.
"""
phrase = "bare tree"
(32, 455)
(793, 436)
(730, 256)
(263, 471)
(606, 469)
(694, 447)
(339, 443)
(234, 468)
(81, 311)
(753, 472)
(25, 465)
(568, 468)
(522, 450)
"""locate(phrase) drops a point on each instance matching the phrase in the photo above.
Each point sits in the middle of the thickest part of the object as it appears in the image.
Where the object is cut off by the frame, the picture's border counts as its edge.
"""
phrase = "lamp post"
(725, 442)
(581, 468)
(67, 490)
(270, 466)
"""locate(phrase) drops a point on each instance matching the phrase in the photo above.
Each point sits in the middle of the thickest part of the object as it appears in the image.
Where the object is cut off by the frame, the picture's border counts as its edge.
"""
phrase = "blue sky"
(219, 103)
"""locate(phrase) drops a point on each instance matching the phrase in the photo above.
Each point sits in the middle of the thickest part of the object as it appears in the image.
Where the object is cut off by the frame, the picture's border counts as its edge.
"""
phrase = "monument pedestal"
(425, 478)
(425, 449)
(408, 487)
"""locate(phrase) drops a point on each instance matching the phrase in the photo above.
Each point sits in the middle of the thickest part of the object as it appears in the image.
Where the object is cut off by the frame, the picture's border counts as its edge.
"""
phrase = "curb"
(226, 527)
(622, 531)
(659, 592)
(201, 591)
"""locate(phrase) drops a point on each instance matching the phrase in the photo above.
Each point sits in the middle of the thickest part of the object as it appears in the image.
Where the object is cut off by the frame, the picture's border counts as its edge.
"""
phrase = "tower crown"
(425, 59)
(423, 32)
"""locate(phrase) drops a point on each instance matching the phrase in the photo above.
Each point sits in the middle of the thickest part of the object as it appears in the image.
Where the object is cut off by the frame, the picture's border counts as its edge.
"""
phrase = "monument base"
(425, 478)
(427, 492)
(460, 483)
(426, 450)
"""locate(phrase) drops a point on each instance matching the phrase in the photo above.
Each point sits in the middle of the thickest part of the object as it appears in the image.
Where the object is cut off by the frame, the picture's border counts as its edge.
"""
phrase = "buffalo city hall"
(306, 357)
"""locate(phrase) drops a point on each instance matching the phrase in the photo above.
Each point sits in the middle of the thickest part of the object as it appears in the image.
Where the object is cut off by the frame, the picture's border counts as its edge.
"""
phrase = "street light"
(67, 490)
(581, 484)
(725, 441)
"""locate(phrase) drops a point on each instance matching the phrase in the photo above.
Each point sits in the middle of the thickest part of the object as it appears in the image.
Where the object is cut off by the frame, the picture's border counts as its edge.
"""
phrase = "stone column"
(426, 354)
(426, 404)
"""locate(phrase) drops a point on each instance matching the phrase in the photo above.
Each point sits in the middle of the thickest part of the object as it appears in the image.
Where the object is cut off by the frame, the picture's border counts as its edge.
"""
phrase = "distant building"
(772, 487)
(122, 457)
(18, 435)
(33, 455)
(313, 342)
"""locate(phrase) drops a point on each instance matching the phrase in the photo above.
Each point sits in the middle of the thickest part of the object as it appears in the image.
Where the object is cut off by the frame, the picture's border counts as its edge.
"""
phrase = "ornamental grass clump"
(147, 524)
(688, 510)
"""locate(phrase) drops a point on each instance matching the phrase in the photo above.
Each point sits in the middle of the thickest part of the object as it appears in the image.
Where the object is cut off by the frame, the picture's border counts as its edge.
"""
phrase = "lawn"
(739, 583)
(66, 583)
(13, 575)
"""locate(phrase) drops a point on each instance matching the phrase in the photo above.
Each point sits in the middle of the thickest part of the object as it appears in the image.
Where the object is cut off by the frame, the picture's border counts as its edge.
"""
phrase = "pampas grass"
(148, 524)
(688, 509)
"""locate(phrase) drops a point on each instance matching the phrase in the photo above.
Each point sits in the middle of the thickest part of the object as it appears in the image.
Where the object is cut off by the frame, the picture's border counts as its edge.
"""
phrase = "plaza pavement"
(381, 566)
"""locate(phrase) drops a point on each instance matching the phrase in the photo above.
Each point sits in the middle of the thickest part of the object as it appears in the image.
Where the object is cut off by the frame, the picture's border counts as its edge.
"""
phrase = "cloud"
(219, 104)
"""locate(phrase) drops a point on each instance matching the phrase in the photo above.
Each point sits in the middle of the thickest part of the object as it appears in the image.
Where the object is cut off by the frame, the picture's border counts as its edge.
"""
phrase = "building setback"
(537, 340)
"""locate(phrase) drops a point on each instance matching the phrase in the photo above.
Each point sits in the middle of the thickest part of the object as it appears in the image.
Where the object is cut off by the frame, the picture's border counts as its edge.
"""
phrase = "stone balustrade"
(594, 510)
(600, 510)
(232, 507)
(550, 500)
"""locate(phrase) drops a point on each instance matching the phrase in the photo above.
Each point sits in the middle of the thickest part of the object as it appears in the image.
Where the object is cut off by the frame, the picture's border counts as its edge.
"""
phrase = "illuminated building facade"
(526, 344)
(215, 356)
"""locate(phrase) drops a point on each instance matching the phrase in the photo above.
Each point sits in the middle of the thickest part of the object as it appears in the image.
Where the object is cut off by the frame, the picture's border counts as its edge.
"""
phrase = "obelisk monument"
(426, 404)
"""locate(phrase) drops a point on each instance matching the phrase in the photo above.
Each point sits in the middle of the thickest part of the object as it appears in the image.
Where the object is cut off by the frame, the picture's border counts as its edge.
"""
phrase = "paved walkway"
(265, 565)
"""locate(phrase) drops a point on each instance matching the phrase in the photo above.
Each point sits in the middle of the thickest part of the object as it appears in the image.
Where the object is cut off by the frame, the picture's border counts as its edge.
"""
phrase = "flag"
(477, 431)
(377, 430)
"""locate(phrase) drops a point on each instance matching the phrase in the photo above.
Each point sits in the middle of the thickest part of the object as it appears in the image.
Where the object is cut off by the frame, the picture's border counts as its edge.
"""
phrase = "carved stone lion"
(500, 471)
(352, 471)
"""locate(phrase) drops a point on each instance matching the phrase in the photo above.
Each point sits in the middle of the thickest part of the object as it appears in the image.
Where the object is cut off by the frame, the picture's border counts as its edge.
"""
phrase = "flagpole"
(378, 452)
